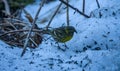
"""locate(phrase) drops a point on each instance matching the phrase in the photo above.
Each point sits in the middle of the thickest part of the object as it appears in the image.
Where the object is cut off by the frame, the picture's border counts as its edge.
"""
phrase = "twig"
(15, 43)
(7, 7)
(83, 6)
(67, 14)
(14, 31)
(11, 24)
(53, 16)
(75, 9)
(7, 24)
(28, 16)
(33, 42)
(33, 24)
(98, 3)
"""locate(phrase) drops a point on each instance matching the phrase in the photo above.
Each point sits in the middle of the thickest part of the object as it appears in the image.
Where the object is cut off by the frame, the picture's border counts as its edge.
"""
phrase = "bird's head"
(71, 29)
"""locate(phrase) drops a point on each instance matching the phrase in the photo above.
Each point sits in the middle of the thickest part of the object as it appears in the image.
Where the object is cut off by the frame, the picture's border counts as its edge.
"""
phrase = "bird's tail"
(47, 31)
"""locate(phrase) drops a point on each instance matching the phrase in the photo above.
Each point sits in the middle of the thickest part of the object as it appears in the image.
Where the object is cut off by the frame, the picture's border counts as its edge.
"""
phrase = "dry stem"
(33, 24)
(75, 9)
(53, 15)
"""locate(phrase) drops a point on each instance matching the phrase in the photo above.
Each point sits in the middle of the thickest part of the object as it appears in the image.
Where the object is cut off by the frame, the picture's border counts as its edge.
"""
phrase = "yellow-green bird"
(62, 34)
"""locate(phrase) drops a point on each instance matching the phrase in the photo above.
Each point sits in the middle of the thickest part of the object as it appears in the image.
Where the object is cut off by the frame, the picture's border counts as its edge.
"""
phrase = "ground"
(95, 46)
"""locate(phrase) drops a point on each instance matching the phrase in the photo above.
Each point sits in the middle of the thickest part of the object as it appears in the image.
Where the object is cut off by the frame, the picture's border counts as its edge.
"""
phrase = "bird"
(62, 34)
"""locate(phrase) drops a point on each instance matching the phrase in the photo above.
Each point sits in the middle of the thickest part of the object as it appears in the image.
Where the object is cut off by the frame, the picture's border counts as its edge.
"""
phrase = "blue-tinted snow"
(95, 47)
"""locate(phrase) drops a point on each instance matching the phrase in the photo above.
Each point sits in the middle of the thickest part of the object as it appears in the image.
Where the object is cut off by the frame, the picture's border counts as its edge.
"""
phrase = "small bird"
(62, 34)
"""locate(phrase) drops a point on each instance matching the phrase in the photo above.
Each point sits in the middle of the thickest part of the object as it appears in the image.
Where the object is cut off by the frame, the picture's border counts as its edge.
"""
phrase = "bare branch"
(21, 30)
(83, 6)
(28, 16)
(53, 16)
(7, 7)
(98, 3)
(33, 24)
(67, 14)
(75, 9)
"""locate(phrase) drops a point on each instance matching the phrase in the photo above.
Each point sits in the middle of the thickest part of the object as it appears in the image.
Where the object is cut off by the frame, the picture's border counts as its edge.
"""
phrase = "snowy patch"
(95, 47)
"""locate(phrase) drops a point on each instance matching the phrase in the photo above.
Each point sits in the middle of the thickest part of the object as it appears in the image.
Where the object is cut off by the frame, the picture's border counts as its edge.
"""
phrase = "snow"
(95, 46)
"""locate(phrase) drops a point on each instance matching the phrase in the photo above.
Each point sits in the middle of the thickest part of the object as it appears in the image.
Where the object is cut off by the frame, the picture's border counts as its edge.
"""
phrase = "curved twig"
(98, 3)
(14, 31)
(67, 14)
(75, 9)
(53, 16)
(33, 24)
(7, 7)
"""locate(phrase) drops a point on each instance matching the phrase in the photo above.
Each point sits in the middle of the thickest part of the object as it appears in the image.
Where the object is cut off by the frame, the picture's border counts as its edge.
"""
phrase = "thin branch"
(14, 31)
(33, 24)
(15, 43)
(98, 3)
(33, 42)
(53, 16)
(7, 7)
(11, 24)
(83, 6)
(15, 19)
(28, 16)
(75, 9)
(67, 13)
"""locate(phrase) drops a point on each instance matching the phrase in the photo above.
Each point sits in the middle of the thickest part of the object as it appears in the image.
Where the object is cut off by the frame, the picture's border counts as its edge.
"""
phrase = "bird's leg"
(66, 47)
(60, 47)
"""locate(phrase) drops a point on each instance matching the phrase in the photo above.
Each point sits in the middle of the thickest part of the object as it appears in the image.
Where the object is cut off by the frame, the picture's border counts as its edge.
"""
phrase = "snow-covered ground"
(95, 46)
